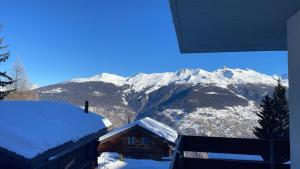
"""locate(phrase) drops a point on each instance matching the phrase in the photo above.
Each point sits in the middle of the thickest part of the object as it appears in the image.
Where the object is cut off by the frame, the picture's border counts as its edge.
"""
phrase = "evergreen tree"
(274, 116)
(5, 80)
(281, 109)
(267, 120)
(274, 120)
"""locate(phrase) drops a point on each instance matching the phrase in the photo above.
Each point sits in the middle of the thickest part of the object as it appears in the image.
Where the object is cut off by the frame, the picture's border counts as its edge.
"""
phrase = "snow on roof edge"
(149, 124)
(30, 128)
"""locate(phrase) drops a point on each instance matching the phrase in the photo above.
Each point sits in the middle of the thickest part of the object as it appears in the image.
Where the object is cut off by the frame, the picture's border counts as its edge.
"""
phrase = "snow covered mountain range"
(221, 77)
(193, 101)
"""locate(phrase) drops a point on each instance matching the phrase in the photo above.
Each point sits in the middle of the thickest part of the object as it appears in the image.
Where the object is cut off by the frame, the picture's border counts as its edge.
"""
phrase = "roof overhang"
(125, 130)
(232, 25)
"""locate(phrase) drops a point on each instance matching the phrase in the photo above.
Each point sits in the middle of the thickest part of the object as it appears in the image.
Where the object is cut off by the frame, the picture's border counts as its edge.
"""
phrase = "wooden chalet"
(145, 138)
(48, 135)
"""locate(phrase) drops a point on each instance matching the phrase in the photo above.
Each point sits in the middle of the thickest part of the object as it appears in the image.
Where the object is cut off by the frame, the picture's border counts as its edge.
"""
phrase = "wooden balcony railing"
(142, 152)
(275, 151)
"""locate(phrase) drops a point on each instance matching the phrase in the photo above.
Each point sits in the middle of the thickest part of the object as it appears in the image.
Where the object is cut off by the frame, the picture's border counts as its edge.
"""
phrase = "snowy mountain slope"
(104, 98)
(232, 121)
(104, 77)
(195, 92)
(221, 77)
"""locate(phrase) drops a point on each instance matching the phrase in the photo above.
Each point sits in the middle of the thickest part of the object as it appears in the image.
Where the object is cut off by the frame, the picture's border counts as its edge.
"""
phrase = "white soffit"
(232, 25)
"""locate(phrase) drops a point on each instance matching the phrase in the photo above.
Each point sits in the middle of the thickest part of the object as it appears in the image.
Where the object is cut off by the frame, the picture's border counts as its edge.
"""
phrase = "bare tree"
(21, 85)
(21, 82)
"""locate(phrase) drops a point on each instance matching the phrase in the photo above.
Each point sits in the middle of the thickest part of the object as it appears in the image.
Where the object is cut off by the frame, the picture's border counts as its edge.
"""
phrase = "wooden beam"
(232, 145)
(192, 163)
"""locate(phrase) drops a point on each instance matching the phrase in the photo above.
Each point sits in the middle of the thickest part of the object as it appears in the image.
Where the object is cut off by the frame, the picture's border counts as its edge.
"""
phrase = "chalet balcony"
(272, 150)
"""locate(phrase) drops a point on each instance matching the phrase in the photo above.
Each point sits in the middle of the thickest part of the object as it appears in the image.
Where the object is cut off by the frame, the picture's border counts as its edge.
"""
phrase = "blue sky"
(57, 40)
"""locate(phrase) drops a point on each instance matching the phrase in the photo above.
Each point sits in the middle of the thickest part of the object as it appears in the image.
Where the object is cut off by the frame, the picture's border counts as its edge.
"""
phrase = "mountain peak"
(153, 81)
(103, 77)
(226, 72)
(186, 71)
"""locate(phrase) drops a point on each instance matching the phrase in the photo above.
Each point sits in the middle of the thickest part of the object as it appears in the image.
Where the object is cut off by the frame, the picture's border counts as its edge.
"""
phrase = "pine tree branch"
(4, 56)
(4, 94)
(3, 47)
(1, 40)
(7, 80)
(5, 83)
(4, 75)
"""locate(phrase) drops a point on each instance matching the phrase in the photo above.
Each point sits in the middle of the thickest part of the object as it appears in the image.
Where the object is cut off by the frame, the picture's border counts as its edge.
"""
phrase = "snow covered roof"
(30, 128)
(149, 124)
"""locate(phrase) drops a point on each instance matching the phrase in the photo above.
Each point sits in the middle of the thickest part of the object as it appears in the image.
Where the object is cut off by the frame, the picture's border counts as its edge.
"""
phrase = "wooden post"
(180, 152)
(272, 155)
(86, 107)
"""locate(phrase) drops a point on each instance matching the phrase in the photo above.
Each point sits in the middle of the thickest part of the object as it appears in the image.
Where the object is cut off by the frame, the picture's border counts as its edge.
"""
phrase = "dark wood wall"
(155, 148)
(82, 157)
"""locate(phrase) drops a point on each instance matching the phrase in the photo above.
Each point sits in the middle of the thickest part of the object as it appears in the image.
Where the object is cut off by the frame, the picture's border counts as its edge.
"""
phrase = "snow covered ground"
(109, 160)
(55, 91)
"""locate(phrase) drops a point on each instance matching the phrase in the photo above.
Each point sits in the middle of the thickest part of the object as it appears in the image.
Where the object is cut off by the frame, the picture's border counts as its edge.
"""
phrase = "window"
(131, 140)
(145, 140)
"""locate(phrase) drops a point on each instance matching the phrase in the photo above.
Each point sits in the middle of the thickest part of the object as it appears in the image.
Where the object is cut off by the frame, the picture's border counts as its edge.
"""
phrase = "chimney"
(86, 107)
(128, 119)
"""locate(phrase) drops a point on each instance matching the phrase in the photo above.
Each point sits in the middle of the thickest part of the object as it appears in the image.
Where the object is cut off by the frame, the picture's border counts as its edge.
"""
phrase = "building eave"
(232, 25)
